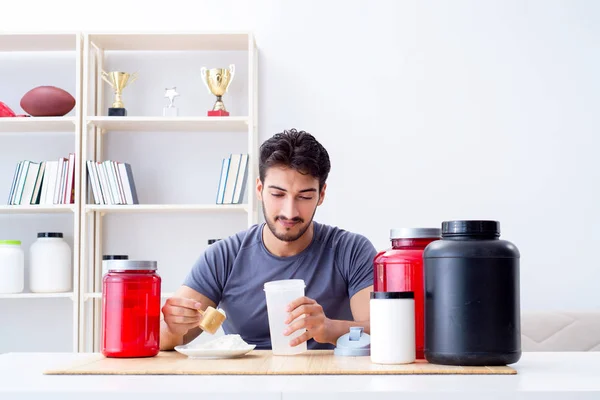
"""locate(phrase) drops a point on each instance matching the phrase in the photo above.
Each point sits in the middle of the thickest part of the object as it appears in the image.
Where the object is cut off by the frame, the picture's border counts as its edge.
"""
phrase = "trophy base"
(170, 112)
(218, 113)
(117, 112)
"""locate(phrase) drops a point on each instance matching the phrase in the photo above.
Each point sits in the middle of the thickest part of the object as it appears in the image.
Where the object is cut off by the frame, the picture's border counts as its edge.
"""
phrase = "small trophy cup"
(118, 80)
(171, 110)
(217, 81)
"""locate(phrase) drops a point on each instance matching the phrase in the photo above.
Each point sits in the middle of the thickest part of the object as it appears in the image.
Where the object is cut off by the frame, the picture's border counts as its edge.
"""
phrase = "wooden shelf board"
(35, 295)
(37, 124)
(171, 124)
(37, 209)
(24, 41)
(135, 208)
(171, 41)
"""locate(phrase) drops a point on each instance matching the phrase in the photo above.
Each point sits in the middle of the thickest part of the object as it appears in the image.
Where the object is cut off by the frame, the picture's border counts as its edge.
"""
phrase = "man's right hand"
(181, 314)
(181, 319)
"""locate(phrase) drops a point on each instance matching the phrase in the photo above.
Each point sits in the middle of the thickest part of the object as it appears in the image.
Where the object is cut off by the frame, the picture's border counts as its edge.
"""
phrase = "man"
(336, 265)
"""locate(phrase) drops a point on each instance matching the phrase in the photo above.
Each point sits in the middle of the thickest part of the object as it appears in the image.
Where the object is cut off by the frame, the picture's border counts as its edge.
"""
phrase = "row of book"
(232, 184)
(111, 182)
(44, 182)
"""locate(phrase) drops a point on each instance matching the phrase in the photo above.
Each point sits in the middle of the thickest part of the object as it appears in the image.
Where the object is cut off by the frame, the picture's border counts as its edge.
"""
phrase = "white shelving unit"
(91, 129)
(44, 45)
(97, 126)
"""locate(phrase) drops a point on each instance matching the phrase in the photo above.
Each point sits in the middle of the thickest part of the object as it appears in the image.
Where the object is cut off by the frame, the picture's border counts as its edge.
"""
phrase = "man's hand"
(181, 314)
(181, 319)
(314, 321)
(321, 328)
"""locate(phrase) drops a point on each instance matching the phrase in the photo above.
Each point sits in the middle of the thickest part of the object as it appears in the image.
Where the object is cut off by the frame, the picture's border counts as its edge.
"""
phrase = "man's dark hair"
(298, 150)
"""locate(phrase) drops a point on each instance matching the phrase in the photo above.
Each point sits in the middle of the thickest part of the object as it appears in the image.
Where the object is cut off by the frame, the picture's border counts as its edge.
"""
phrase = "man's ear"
(322, 195)
(259, 188)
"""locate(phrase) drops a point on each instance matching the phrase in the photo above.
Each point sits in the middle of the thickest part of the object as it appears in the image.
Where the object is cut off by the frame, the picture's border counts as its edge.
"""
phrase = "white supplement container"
(392, 327)
(50, 264)
(106, 261)
(12, 266)
(279, 295)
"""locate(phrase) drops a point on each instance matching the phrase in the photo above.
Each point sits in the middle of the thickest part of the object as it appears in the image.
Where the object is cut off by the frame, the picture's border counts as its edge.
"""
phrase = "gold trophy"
(118, 80)
(217, 81)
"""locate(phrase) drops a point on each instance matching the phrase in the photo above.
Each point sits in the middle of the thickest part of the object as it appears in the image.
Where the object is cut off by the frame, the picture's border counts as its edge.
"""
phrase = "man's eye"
(277, 194)
(305, 198)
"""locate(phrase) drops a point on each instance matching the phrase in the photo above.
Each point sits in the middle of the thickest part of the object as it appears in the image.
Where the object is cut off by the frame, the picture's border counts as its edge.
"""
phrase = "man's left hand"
(314, 321)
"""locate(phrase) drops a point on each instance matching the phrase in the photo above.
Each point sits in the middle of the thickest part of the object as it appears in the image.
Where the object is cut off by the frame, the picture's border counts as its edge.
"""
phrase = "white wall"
(430, 110)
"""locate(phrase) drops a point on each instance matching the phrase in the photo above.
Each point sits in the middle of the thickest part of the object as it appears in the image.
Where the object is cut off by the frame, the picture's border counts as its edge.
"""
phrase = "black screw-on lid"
(50, 234)
(115, 257)
(471, 228)
(392, 295)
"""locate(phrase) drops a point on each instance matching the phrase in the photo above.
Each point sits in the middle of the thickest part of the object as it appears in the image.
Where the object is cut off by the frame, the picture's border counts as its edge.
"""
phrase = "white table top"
(547, 376)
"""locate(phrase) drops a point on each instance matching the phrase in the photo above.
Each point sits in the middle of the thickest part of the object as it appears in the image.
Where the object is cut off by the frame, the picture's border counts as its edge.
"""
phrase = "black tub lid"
(392, 295)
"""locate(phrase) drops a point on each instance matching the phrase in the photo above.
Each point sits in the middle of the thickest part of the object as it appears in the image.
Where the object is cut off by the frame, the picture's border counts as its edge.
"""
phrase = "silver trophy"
(170, 110)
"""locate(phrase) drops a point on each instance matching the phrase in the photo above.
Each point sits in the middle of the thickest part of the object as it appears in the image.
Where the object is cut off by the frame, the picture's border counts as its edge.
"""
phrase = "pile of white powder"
(227, 342)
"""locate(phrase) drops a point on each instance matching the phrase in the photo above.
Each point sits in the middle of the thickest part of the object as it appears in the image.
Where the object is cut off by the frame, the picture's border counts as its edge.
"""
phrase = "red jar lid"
(131, 265)
(415, 233)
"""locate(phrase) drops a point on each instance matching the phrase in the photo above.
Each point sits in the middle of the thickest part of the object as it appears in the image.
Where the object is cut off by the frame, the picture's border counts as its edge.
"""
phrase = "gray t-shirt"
(232, 272)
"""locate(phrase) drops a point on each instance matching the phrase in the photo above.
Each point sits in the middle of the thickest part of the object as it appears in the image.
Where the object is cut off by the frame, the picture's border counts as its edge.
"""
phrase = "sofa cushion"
(560, 331)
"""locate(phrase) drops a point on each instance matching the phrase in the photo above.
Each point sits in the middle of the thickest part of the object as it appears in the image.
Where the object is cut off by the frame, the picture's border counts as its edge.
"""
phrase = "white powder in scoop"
(227, 342)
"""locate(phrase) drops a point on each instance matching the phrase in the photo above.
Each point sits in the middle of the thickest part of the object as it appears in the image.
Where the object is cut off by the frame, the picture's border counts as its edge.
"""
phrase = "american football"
(47, 101)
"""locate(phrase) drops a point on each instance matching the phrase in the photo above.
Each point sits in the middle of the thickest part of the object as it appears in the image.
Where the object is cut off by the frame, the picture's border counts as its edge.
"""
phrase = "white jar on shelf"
(50, 264)
(12, 266)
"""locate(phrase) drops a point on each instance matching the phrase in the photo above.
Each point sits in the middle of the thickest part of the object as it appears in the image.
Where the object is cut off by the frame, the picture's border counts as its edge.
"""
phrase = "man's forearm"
(168, 340)
(336, 328)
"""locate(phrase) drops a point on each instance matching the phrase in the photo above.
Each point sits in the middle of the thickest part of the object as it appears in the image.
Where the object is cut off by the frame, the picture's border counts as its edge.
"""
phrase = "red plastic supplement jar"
(131, 309)
(400, 269)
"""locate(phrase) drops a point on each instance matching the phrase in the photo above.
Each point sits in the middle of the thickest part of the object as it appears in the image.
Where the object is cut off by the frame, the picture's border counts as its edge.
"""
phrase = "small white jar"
(12, 266)
(106, 260)
(50, 264)
(392, 327)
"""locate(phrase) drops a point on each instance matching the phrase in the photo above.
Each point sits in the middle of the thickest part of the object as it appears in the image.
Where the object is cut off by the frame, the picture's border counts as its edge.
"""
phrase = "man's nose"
(290, 209)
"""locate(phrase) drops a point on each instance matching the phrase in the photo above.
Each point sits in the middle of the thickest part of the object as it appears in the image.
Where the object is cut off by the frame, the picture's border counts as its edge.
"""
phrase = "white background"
(430, 110)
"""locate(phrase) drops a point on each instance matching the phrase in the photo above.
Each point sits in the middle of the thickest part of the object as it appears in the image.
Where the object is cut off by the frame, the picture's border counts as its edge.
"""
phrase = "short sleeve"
(357, 256)
(209, 273)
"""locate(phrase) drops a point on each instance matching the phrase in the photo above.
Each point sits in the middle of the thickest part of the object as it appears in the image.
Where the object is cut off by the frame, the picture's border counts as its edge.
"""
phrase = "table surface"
(548, 376)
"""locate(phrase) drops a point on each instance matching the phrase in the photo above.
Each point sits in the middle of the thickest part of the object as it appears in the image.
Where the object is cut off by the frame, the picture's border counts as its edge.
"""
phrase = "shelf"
(37, 209)
(98, 295)
(90, 132)
(161, 41)
(68, 295)
(146, 208)
(37, 124)
(171, 124)
(38, 41)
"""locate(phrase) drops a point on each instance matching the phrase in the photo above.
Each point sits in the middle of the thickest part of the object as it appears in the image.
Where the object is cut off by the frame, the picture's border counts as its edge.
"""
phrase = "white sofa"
(560, 331)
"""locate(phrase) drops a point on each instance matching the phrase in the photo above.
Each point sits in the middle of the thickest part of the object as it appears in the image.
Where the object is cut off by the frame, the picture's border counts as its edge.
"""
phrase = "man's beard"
(286, 237)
